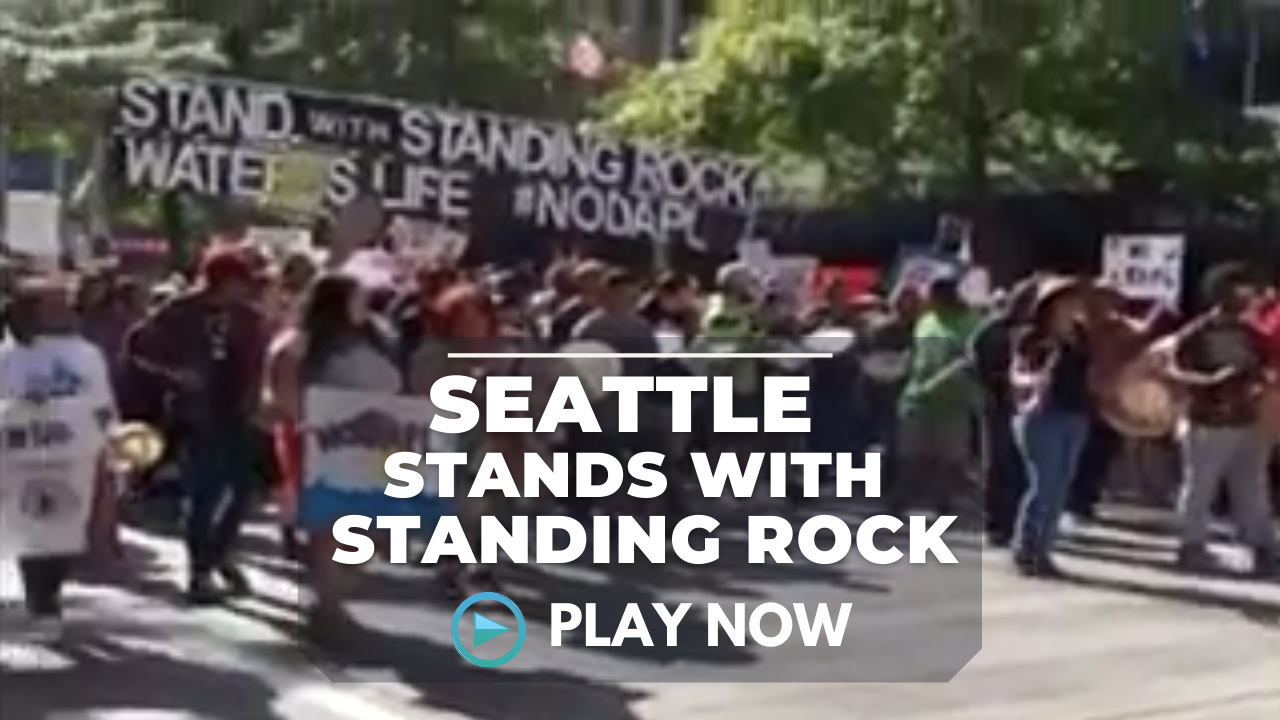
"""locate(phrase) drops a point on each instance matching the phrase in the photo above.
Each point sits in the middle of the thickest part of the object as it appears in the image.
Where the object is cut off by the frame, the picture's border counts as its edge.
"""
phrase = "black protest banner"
(221, 137)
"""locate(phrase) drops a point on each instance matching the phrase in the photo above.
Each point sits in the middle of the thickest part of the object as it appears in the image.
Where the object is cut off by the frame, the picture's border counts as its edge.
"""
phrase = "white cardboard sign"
(33, 224)
(49, 455)
(1145, 267)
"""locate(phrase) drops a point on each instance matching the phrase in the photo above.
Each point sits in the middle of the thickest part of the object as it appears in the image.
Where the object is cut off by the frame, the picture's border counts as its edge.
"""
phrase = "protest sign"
(426, 241)
(279, 241)
(917, 269)
(953, 236)
(1145, 267)
(786, 276)
(219, 136)
(754, 252)
(49, 459)
(374, 269)
(350, 436)
(33, 224)
(976, 286)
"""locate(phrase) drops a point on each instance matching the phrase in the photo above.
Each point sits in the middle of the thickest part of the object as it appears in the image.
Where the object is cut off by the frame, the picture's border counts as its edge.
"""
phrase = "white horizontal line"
(333, 702)
(644, 356)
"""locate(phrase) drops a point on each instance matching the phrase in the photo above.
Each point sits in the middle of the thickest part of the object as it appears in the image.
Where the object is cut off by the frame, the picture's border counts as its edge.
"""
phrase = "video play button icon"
(485, 630)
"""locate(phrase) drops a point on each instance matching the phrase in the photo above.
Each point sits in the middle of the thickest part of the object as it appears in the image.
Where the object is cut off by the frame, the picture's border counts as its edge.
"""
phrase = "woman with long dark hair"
(331, 345)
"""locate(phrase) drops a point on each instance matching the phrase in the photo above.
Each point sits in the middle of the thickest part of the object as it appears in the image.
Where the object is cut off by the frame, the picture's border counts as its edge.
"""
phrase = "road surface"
(1127, 639)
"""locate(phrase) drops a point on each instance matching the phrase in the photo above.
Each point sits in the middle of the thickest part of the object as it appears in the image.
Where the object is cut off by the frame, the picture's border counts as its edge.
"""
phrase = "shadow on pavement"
(1263, 612)
(447, 683)
(105, 675)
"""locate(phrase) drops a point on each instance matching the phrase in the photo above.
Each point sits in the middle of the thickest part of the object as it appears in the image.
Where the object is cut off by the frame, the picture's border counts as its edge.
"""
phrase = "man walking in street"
(208, 346)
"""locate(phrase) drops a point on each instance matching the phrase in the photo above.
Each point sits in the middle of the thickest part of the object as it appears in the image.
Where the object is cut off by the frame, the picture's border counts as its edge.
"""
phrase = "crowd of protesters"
(1003, 398)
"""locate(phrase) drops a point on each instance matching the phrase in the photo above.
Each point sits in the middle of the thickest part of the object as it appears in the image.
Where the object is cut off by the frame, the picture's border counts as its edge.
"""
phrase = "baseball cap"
(229, 264)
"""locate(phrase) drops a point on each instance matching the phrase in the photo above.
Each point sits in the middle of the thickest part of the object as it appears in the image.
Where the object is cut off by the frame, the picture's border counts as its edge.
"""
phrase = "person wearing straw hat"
(45, 358)
(1050, 380)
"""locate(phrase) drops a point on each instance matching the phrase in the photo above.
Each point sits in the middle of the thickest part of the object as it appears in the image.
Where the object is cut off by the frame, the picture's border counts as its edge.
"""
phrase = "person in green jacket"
(938, 405)
(728, 325)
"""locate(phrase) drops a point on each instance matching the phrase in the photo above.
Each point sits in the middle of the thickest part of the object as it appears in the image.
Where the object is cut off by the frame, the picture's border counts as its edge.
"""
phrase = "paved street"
(1128, 639)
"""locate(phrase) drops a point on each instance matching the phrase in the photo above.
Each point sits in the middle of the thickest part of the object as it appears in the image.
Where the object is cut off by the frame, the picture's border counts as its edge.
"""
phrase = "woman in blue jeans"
(1051, 377)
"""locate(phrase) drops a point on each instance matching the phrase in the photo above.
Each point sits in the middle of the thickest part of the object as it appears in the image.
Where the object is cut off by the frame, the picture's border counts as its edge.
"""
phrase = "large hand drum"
(1141, 402)
(591, 362)
(134, 447)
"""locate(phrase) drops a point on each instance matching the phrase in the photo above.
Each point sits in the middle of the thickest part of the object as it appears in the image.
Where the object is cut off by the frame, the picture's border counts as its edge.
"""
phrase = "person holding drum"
(208, 347)
(1223, 364)
(1050, 381)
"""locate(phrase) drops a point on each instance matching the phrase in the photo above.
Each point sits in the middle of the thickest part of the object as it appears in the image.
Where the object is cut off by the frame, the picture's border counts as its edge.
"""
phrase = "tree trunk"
(446, 57)
(977, 140)
(975, 113)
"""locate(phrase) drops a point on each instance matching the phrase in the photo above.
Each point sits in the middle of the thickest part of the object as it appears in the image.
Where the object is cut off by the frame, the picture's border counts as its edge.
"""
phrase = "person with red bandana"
(208, 346)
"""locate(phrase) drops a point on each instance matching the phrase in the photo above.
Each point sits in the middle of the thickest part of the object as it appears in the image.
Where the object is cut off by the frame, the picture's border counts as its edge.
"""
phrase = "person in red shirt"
(1267, 321)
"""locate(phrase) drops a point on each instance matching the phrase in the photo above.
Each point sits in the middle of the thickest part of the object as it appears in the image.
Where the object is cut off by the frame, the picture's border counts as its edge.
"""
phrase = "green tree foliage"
(912, 97)
(59, 59)
(501, 54)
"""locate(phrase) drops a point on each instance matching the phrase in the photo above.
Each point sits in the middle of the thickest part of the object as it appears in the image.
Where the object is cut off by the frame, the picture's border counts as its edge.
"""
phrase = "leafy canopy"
(911, 97)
